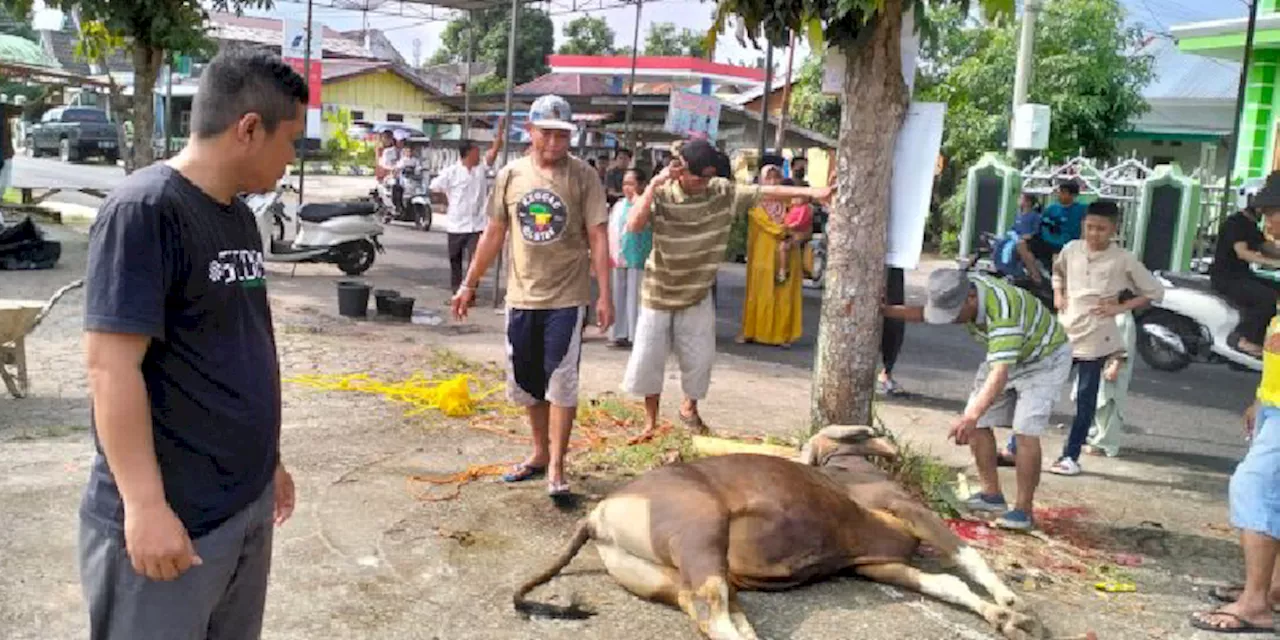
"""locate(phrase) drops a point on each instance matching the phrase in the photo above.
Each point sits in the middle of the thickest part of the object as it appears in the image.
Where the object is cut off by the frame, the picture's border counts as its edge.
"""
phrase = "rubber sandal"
(1228, 594)
(695, 424)
(1245, 625)
(522, 472)
(558, 489)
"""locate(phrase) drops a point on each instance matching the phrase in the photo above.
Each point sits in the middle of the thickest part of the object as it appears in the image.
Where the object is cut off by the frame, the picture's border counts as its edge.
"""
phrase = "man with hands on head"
(692, 210)
(187, 482)
(554, 206)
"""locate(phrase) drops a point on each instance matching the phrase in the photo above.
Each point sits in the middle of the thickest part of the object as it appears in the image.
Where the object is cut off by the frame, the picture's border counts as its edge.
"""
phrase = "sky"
(408, 23)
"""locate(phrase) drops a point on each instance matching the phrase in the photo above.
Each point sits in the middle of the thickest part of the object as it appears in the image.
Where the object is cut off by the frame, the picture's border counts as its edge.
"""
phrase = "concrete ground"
(365, 557)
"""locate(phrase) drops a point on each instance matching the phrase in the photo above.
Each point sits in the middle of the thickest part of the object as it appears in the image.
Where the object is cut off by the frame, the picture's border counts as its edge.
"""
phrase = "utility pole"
(306, 73)
(1026, 53)
(786, 94)
(764, 103)
(631, 86)
(1240, 92)
(506, 146)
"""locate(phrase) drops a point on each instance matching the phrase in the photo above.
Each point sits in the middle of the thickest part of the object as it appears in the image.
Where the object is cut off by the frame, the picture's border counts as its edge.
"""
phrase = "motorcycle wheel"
(356, 257)
(1157, 355)
(422, 217)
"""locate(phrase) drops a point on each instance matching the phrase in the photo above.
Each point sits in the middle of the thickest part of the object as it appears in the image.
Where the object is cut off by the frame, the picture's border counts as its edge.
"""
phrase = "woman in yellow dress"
(771, 313)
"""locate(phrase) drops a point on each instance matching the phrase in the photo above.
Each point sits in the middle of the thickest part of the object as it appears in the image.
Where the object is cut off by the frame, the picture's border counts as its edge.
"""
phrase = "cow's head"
(829, 446)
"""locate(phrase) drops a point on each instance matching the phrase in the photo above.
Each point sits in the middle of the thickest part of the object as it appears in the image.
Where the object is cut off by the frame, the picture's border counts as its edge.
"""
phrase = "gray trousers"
(626, 302)
(222, 599)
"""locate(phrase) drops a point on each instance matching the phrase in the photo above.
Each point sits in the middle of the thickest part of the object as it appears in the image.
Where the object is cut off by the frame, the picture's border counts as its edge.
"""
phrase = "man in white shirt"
(465, 188)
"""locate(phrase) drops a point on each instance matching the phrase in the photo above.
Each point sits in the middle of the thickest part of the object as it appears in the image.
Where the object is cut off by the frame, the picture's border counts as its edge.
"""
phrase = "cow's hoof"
(1019, 626)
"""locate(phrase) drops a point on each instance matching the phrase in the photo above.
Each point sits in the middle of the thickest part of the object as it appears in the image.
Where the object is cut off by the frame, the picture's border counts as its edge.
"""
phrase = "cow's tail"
(573, 611)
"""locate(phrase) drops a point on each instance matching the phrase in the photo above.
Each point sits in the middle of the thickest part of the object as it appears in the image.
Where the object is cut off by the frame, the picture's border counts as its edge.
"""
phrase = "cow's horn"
(848, 433)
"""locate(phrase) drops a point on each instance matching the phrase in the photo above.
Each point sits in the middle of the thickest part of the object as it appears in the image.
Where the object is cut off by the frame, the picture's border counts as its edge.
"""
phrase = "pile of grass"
(609, 423)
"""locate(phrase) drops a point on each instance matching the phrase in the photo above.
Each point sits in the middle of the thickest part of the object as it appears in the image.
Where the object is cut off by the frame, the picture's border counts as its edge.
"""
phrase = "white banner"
(294, 44)
(915, 158)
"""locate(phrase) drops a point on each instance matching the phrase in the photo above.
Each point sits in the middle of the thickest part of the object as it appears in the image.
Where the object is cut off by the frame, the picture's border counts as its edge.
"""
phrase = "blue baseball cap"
(552, 112)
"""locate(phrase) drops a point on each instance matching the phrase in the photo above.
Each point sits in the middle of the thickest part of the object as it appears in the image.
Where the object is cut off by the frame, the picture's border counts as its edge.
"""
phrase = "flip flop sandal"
(1230, 593)
(558, 489)
(695, 424)
(1245, 625)
(522, 472)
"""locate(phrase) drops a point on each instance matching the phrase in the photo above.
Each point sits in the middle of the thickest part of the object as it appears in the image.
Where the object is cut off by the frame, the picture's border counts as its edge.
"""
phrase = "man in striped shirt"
(1028, 362)
(691, 210)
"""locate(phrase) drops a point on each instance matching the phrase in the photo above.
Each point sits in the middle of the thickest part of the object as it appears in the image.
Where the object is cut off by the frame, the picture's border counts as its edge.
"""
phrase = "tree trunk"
(146, 64)
(848, 351)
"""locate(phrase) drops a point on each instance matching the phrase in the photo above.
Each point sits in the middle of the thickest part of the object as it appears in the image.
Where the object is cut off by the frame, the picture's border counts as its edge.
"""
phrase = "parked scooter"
(341, 233)
(1191, 324)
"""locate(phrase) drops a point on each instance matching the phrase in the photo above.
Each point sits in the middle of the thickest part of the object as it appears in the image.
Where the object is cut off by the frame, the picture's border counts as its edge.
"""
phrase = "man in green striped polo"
(1027, 365)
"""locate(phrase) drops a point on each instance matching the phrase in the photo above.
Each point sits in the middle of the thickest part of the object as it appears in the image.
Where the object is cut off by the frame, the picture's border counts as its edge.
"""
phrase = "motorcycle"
(415, 203)
(1191, 324)
(815, 250)
(987, 248)
(340, 233)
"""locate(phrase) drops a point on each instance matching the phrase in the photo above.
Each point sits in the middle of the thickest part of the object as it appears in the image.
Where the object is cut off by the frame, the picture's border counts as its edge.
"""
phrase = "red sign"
(314, 76)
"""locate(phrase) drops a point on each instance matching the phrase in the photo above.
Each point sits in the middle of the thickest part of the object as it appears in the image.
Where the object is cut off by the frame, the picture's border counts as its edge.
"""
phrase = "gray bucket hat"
(948, 290)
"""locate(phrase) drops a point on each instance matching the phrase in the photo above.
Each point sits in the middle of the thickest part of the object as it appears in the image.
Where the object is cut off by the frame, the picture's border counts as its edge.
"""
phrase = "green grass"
(616, 419)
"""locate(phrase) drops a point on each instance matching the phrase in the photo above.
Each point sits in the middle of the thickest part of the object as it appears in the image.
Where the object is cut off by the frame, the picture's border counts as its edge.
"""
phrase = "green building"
(1256, 145)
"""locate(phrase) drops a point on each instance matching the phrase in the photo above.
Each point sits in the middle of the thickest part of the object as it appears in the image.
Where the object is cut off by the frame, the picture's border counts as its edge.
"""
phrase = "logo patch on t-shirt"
(542, 215)
(241, 266)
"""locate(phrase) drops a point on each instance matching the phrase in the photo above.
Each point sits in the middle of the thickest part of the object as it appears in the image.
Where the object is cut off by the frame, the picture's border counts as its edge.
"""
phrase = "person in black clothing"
(613, 177)
(1240, 245)
(894, 332)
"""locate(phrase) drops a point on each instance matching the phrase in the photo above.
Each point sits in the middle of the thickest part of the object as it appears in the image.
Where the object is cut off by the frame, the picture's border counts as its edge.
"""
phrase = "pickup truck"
(74, 133)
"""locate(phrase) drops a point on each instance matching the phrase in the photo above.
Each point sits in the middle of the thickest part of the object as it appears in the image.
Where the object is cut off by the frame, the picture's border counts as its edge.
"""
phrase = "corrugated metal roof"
(1181, 75)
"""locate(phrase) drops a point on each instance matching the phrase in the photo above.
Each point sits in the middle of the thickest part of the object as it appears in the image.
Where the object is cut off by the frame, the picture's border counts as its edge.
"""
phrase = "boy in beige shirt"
(1089, 276)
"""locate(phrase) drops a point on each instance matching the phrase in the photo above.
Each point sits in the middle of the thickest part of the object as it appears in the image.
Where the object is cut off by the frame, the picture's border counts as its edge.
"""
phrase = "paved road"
(1188, 419)
(51, 172)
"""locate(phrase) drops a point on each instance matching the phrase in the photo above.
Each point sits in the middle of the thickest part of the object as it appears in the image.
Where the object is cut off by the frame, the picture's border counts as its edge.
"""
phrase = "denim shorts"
(1255, 485)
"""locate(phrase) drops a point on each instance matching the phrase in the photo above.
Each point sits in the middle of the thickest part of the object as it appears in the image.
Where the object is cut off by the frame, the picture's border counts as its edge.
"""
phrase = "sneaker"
(1065, 467)
(1015, 520)
(889, 387)
(984, 503)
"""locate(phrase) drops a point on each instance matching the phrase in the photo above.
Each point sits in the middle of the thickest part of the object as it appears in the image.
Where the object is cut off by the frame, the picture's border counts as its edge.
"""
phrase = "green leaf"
(817, 42)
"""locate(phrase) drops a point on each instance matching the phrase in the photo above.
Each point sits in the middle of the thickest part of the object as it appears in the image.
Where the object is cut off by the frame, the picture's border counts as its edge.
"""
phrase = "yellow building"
(377, 91)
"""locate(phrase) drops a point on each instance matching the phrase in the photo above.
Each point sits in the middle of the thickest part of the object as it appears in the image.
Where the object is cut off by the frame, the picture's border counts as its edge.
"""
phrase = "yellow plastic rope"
(451, 397)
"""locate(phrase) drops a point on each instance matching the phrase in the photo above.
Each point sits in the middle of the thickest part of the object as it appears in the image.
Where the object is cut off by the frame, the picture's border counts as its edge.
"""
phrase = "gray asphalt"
(1188, 419)
(43, 173)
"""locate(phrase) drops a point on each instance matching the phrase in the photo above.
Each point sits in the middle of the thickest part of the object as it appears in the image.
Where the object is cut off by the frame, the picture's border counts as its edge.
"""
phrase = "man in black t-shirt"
(1242, 244)
(176, 521)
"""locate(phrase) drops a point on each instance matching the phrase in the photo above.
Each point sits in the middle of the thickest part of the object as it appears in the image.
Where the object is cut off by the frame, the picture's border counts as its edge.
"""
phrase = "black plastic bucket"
(353, 299)
(382, 298)
(401, 308)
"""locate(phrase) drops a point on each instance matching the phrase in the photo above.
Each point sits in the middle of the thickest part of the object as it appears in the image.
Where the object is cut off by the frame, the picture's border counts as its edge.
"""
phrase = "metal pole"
(764, 103)
(1240, 92)
(466, 91)
(1026, 49)
(631, 87)
(168, 108)
(506, 148)
(786, 93)
(306, 73)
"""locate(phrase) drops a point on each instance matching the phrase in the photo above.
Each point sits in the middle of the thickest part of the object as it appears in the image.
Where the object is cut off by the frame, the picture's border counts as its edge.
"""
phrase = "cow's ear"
(812, 451)
(847, 434)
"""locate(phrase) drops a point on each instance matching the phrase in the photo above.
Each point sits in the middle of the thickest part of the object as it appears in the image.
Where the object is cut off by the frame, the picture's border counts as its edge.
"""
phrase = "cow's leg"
(929, 528)
(953, 590)
(641, 577)
(701, 552)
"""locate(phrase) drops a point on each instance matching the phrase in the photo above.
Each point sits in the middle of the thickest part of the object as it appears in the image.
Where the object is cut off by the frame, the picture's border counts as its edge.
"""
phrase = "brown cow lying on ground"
(691, 534)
